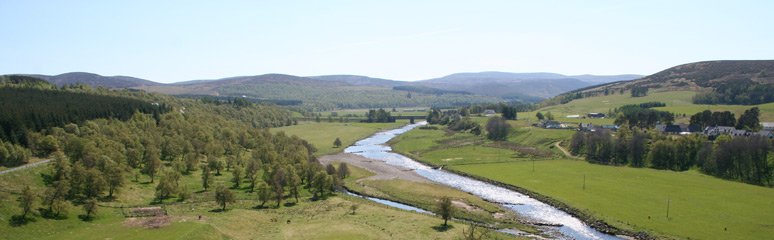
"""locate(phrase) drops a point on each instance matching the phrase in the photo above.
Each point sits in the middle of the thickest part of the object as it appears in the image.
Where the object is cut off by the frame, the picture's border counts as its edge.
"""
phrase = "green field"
(701, 206)
(322, 134)
(679, 102)
(442, 148)
(417, 112)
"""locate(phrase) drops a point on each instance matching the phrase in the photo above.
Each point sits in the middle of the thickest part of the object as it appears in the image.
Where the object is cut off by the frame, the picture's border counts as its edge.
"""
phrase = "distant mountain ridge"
(456, 88)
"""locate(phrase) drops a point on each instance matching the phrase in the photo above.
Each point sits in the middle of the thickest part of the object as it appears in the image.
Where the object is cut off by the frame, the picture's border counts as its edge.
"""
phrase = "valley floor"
(637, 199)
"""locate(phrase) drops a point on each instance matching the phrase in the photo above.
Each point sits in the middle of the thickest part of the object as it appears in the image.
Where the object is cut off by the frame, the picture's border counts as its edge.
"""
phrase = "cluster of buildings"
(589, 127)
(767, 130)
(683, 129)
(588, 115)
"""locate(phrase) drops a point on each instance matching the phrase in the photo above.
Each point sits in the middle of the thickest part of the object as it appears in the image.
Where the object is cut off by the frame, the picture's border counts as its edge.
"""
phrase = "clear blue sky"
(168, 41)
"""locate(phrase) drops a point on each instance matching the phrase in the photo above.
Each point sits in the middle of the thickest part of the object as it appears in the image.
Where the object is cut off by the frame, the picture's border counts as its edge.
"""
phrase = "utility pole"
(584, 181)
(667, 208)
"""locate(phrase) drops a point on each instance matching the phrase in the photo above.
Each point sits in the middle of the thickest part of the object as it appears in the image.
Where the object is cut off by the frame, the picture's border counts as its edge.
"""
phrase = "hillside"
(720, 81)
(360, 80)
(96, 80)
(518, 85)
(320, 94)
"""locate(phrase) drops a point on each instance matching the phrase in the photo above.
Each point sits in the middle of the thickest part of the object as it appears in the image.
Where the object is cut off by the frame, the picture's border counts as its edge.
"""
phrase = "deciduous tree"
(26, 201)
(445, 209)
(224, 196)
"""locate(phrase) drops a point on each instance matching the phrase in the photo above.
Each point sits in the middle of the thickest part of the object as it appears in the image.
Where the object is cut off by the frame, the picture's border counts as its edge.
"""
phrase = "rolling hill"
(518, 85)
(722, 82)
(360, 80)
(96, 80)
(682, 88)
(316, 93)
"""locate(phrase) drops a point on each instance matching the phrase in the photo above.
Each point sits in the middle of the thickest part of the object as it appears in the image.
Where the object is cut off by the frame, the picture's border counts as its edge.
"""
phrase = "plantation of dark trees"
(638, 91)
(737, 92)
(638, 116)
(739, 158)
(35, 109)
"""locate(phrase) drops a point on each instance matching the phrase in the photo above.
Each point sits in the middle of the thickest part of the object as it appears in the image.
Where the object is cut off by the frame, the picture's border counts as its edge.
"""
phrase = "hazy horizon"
(181, 41)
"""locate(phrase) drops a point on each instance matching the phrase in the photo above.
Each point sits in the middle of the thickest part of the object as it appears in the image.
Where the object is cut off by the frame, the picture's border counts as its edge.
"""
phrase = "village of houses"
(712, 132)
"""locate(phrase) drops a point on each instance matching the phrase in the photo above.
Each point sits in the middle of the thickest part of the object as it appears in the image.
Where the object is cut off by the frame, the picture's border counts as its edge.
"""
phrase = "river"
(375, 147)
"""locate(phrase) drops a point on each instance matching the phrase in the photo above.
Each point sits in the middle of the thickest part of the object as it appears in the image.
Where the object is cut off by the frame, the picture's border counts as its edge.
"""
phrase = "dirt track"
(24, 166)
(382, 170)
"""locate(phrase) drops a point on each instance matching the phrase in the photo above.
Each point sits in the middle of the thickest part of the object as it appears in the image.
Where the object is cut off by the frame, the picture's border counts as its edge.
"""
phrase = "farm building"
(551, 124)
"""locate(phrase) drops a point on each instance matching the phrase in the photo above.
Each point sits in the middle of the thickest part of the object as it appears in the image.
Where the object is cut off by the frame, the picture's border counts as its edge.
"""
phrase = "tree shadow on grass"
(289, 204)
(18, 220)
(261, 207)
(86, 218)
(45, 213)
(443, 228)
(217, 210)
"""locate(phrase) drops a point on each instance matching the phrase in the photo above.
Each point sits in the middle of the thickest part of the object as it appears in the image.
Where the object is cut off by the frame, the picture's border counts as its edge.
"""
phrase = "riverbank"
(588, 219)
(377, 179)
(382, 170)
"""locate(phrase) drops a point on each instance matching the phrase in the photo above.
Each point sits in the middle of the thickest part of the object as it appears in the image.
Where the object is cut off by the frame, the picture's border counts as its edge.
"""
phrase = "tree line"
(638, 116)
(739, 158)
(497, 128)
(378, 116)
(749, 120)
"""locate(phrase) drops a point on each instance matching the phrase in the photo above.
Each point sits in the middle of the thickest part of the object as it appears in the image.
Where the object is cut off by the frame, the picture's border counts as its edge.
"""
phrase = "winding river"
(375, 147)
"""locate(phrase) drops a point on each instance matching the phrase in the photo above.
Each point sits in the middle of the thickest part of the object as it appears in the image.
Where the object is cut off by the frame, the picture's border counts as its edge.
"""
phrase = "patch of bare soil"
(148, 222)
(382, 170)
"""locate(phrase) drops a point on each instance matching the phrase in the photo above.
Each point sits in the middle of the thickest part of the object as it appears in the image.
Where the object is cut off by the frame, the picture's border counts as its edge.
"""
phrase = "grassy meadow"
(700, 206)
(322, 134)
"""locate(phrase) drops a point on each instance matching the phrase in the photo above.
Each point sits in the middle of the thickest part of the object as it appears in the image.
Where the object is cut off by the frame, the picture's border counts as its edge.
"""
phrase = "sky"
(171, 41)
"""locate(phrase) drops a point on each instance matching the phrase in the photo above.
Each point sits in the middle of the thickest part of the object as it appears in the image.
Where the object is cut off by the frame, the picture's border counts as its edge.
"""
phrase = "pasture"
(322, 134)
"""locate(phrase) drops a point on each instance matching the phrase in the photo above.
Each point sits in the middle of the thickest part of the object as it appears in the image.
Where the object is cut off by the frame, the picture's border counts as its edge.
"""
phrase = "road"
(566, 153)
(24, 166)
